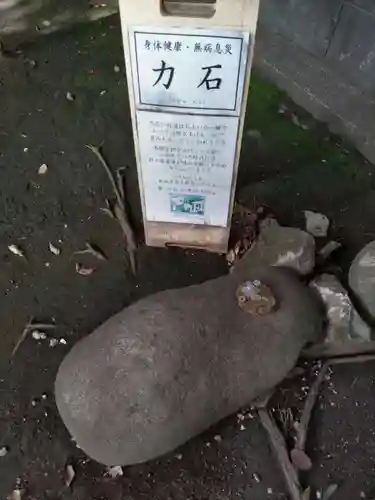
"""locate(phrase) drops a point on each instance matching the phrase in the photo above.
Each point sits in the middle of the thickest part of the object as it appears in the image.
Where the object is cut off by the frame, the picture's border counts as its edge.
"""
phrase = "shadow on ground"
(25, 19)
(288, 164)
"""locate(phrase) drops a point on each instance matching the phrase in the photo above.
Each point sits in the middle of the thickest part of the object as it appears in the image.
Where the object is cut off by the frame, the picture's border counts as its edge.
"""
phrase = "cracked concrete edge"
(307, 79)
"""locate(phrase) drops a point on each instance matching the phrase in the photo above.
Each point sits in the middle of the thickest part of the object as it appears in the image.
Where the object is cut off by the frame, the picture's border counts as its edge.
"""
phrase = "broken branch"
(30, 326)
(304, 421)
(119, 207)
(280, 449)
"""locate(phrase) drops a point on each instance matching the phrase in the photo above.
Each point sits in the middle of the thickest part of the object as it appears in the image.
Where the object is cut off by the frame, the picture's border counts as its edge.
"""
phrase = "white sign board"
(187, 166)
(188, 89)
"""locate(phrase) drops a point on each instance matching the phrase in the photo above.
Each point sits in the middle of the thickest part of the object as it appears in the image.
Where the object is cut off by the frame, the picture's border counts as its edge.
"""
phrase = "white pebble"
(3, 451)
(256, 477)
(53, 342)
(37, 335)
(42, 169)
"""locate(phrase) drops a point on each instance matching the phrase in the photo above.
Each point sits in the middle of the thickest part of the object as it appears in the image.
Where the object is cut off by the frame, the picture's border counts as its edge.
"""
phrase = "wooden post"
(188, 68)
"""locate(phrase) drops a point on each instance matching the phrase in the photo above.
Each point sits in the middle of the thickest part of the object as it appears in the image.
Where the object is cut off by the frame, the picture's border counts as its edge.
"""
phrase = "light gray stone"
(362, 277)
(343, 321)
(282, 246)
(171, 365)
(359, 329)
(316, 224)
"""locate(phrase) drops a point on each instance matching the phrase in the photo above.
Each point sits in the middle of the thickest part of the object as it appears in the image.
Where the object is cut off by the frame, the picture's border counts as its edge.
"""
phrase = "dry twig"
(119, 207)
(92, 250)
(303, 424)
(280, 449)
(30, 325)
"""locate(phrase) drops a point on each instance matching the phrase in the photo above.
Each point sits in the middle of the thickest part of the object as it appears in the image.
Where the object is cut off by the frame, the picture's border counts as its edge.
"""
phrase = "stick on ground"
(280, 449)
(30, 325)
(308, 407)
(119, 208)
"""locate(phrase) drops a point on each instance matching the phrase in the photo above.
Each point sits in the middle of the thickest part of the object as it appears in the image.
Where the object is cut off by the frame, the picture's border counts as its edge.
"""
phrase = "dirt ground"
(289, 163)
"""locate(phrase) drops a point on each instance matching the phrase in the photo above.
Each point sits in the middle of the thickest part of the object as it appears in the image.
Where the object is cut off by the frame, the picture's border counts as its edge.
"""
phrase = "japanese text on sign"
(199, 72)
(168, 46)
(187, 166)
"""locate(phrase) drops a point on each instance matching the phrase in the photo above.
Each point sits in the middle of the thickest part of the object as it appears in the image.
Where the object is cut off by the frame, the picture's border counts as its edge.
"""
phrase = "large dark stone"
(168, 367)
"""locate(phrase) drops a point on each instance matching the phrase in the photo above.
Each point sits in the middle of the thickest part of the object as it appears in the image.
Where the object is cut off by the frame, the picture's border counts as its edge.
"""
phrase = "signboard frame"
(234, 16)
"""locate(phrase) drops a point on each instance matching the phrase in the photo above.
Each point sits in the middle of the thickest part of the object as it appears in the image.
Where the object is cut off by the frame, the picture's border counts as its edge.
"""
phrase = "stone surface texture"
(168, 367)
(343, 321)
(281, 246)
(362, 277)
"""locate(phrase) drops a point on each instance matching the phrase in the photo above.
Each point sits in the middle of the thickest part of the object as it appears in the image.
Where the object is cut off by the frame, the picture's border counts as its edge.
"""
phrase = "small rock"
(362, 277)
(54, 249)
(37, 335)
(344, 323)
(70, 96)
(115, 471)
(316, 224)
(280, 246)
(256, 477)
(53, 342)
(218, 438)
(3, 451)
(116, 68)
(42, 169)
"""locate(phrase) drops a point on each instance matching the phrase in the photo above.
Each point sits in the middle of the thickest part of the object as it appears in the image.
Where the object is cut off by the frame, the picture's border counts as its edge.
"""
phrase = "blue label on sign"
(188, 204)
